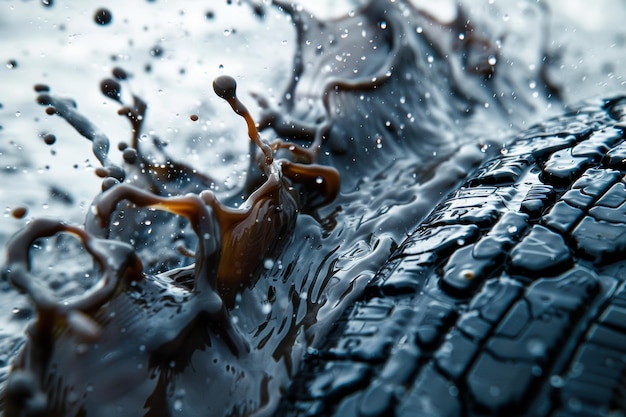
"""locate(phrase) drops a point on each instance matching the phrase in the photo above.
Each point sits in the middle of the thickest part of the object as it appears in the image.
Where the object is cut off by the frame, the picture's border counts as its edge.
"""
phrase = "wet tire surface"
(508, 300)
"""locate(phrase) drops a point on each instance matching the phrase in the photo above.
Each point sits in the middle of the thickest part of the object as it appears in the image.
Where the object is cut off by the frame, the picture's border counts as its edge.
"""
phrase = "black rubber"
(508, 300)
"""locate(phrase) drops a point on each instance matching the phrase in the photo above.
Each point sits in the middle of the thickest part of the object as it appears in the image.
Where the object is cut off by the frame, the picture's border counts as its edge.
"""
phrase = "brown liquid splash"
(159, 341)
(231, 242)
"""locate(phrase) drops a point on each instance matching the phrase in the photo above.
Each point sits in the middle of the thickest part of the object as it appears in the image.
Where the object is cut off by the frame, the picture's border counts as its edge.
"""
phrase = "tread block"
(515, 321)
(495, 299)
(563, 217)
(611, 215)
(502, 236)
(364, 339)
(336, 379)
(562, 168)
(592, 150)
(568, 293)
(614, 197)
(594, 182)
(541, 144)
(591, 392)
(480, 206)
(438, 240)
(596, 379)
(614, 316)
(536, 344)
(576, 198)
(536, 326)
(537, 200)
(616, 157)
(406, 279)
(607, 337)
(600, 241)
(402, 365)
(497, 385)
(430, 324)
(473, 326)
(431, 395)
(455, 355)
(471, 265)
(377, 401)
(500, 171)
(541, 252)
(609, 136)
(463, 273)
(596, 360)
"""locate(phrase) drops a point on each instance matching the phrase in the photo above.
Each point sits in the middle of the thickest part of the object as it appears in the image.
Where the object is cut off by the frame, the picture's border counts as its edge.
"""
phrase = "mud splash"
(200, 304)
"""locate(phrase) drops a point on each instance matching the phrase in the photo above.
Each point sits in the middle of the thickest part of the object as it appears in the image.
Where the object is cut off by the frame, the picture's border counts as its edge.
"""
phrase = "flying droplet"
(103, 16)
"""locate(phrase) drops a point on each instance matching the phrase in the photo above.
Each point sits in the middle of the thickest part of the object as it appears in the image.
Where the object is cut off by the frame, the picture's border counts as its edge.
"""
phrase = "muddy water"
(147, 317)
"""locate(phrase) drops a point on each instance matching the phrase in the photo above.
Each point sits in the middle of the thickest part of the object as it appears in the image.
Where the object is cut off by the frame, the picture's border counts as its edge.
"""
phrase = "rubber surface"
(508, 300)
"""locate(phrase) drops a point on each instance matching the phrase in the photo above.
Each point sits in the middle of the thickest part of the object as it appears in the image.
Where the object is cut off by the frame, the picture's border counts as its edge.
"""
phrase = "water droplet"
(467, 274)
(268, 263)
(512, 229)
(103, 16)
(574, 404)
(178, 404)
(536, 347)
(266, 308)
(49, 139)
(383, 25)
(557, 381)
(492, 60)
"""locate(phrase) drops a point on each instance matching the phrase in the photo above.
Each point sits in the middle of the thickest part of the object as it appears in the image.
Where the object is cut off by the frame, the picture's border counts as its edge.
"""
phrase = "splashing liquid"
(203, 307)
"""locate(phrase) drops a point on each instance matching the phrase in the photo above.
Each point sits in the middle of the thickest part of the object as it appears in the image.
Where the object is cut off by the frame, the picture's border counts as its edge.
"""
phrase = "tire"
(508, 300)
